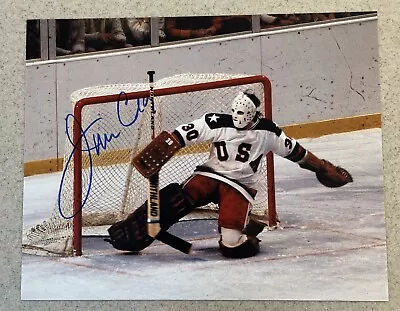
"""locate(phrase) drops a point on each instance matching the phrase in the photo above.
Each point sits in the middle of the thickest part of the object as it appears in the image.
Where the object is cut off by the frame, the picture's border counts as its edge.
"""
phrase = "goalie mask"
(244, 109)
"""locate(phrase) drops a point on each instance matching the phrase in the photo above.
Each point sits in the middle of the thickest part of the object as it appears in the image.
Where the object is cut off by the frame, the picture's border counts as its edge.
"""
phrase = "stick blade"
(175, 242)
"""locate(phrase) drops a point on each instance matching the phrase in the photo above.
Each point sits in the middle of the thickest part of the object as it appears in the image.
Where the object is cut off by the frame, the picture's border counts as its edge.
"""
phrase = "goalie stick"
(153, 202)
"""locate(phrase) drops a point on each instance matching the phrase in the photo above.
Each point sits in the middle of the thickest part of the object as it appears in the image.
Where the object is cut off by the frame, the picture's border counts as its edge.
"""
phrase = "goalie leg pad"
(249, 248)
(235, 244)
(174, 205)
(131, 233)
(254, 227)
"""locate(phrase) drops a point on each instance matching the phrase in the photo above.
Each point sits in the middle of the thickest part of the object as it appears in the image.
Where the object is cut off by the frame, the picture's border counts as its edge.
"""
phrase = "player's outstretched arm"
(328, 174)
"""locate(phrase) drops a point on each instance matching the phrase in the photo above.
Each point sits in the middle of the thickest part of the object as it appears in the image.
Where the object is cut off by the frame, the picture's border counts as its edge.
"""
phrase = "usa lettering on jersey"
(235, 153)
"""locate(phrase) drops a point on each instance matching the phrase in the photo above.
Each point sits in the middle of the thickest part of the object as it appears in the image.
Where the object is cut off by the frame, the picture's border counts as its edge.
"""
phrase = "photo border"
(12, 63)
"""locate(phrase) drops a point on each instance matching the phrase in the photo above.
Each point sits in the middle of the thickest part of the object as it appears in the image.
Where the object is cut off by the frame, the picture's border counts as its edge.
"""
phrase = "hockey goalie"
(239, 141)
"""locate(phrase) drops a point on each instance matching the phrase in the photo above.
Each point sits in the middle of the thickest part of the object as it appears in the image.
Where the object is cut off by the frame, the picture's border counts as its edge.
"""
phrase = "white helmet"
(243, 110)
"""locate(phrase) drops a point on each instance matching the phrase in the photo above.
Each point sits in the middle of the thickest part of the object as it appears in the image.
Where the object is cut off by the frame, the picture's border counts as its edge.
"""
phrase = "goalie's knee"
(235, 244)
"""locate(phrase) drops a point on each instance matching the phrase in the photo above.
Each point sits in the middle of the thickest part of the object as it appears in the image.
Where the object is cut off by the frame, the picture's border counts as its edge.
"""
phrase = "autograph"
(97, 143)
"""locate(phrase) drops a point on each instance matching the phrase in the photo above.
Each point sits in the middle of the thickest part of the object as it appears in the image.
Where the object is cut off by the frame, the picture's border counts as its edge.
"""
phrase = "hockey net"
(99, 186)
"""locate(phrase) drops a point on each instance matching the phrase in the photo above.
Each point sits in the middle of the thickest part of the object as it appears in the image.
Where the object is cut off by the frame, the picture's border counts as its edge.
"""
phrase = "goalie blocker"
(150, 160)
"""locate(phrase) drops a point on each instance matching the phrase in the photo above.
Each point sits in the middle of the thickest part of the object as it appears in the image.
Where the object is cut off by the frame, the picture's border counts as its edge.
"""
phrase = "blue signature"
(98, 142)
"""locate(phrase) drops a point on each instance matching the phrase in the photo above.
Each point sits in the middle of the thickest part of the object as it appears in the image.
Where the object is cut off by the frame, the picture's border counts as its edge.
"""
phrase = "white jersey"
(236, 153)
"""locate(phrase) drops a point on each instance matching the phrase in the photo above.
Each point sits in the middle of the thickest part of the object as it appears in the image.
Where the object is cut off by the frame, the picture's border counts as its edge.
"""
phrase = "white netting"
(111, 189)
